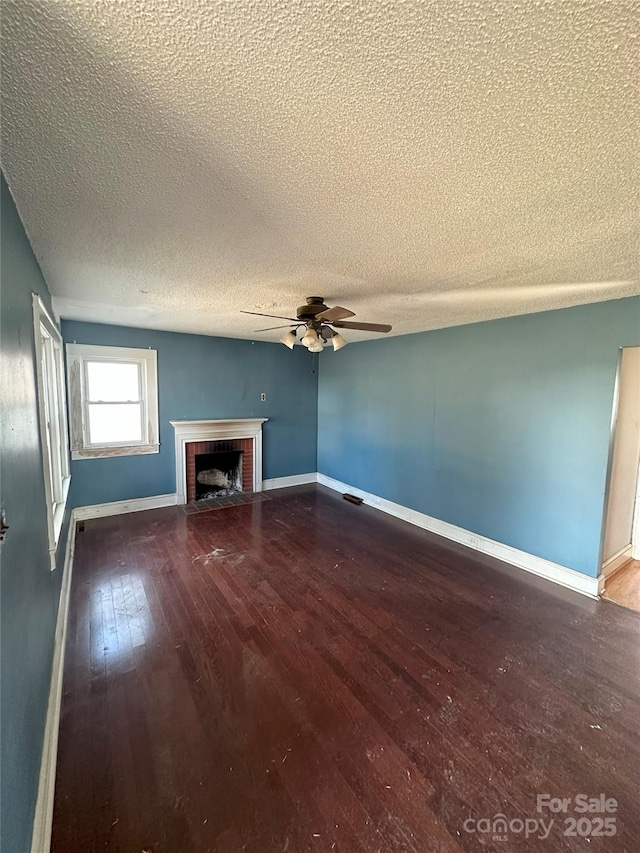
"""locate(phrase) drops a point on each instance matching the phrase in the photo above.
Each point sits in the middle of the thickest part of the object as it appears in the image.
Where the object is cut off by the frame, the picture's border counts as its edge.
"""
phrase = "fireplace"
(218, 474)
(232, 459)
(217, 456)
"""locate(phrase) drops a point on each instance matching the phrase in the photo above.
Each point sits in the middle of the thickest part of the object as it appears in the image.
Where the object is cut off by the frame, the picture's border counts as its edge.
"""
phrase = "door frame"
(635, 530)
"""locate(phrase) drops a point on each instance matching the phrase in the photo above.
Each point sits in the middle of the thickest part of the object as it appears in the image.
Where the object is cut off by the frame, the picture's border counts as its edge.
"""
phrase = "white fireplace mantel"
(187, 431)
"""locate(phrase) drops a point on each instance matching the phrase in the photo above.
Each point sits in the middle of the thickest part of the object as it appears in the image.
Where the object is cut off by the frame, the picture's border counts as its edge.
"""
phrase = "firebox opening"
(218, 474)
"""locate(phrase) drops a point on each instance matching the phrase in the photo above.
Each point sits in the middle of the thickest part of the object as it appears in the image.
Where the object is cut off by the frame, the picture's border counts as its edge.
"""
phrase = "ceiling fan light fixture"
(310, 338)
(289, 339)
(338, 341)
(317, 321)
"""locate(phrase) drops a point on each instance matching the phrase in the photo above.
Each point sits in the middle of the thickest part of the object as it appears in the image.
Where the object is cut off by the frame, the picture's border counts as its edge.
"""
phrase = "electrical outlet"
(263, 397)
(472, 542)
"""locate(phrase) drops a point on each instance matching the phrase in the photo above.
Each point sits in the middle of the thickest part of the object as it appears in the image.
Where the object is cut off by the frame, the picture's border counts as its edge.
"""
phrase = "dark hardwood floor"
(302, 674)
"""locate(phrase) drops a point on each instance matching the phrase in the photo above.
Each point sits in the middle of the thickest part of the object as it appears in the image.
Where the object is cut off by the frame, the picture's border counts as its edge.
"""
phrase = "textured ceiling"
(422, 163)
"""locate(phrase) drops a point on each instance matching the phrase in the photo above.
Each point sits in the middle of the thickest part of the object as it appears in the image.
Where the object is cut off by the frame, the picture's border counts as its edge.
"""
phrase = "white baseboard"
(293, 480)
(82, 513)
(521, 559)
(43, 816)
(616, 562)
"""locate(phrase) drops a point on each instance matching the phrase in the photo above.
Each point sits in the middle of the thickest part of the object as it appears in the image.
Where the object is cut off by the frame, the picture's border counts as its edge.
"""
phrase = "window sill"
(105, 452)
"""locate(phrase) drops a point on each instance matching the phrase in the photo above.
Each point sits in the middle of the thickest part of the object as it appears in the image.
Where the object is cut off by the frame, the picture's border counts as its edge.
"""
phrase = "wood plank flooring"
(624, 586)
(302, 674)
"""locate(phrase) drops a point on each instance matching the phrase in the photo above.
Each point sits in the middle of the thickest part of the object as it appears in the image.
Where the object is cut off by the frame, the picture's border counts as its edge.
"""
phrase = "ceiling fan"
(318, 321)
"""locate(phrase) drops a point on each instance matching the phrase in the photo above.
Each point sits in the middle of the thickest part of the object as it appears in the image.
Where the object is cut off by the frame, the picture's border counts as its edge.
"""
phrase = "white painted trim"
(216, 430)
(242, 427)
(635, 534)
(43, 816)
(121, 450)
(43, 320)
(292, 480)
(521, 559)
(617, 561)
(82, 513)
(147, 361)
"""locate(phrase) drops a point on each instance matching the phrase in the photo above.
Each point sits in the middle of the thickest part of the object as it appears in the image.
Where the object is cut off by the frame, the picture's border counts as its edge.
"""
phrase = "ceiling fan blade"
(336, 313)
(272, 328)
(277, 316)
(365, 327)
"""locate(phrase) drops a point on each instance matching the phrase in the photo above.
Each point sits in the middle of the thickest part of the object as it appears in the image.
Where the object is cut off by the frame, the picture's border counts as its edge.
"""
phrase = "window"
(53, 420)
(113, 401)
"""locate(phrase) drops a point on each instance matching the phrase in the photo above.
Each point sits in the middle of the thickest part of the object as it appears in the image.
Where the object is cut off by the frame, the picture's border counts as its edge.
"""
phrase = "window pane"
(112, 380)
(109, 423)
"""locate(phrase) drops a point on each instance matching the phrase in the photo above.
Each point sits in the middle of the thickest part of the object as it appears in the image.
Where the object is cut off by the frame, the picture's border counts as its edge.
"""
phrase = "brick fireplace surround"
(195, 437)
(195, 448)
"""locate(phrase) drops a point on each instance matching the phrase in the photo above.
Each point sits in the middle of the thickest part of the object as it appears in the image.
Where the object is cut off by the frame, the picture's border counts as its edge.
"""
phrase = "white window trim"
(77, 356)
(42, 321)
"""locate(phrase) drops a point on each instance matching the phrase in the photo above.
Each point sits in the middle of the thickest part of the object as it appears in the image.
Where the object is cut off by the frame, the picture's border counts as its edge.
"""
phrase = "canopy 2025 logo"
(591, 817)
(597, 819)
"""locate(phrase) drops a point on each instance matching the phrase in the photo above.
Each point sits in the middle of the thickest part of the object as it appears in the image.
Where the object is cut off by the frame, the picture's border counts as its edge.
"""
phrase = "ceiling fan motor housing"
(315, 305)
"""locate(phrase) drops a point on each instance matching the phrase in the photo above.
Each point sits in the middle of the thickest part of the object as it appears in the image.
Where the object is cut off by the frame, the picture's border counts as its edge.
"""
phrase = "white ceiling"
(423, 163)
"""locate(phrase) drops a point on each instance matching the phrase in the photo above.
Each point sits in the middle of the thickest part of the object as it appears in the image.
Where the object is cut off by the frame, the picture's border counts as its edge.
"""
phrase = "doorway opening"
(620, 565)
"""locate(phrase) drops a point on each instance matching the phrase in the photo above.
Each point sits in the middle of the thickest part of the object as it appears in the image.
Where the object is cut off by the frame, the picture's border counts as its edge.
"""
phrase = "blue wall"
(29, 590)
(203, 377)
(501, 428)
